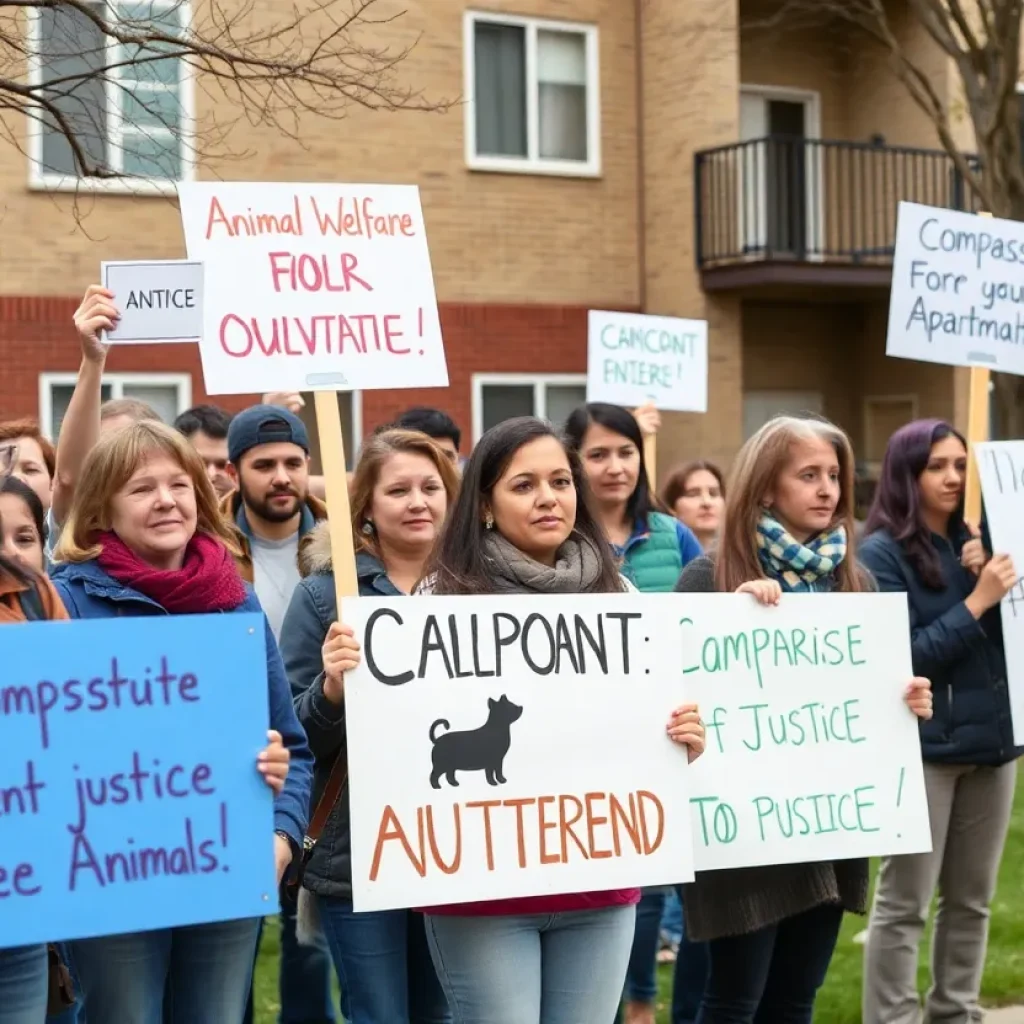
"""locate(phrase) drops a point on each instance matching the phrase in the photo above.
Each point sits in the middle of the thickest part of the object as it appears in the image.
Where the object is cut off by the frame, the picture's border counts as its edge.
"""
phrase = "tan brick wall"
(493, 237)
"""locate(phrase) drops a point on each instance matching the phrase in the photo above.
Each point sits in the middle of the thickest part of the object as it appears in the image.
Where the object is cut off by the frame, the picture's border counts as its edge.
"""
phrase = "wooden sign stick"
(651, 459)
(339, 512)
(977, 431)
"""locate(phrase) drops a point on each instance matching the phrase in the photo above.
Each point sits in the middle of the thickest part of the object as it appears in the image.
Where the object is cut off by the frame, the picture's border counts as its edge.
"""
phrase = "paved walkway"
(1009, 1015)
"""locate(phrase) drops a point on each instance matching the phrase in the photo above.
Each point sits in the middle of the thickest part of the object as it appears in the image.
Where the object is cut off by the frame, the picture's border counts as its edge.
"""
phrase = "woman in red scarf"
(145, 538)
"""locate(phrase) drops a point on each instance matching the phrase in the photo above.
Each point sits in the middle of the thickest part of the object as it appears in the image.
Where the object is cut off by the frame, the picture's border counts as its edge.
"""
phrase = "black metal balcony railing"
(809, 200)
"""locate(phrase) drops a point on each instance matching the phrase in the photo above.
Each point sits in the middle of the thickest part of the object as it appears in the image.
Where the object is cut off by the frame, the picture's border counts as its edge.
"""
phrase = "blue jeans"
(23, 985)
(383, 966)
(690, 976)
(535, 968)
(672, 917)
(771, 976)
(204, 969)
(73, 1014)
(642, 974)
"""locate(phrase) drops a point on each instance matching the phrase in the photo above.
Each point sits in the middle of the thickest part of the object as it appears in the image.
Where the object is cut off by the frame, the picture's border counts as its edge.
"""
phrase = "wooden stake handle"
(977, 431)
(651, 459)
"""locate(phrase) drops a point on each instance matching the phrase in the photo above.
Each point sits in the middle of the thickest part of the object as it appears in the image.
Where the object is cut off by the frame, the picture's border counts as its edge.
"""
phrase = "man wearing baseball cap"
(272, 509)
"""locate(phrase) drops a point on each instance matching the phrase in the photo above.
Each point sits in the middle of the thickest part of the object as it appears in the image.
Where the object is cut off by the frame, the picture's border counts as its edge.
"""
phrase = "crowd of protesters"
(219, 513)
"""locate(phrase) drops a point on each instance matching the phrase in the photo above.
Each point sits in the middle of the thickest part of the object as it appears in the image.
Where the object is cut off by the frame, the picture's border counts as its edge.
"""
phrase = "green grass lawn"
(839, 1002)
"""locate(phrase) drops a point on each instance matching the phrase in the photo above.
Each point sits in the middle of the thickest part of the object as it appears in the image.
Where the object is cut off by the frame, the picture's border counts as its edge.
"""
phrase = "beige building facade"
(618, 154)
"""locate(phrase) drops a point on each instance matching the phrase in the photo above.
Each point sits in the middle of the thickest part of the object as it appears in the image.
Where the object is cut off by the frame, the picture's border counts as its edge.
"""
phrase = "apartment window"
(534, 89)
(168, 393)
(125, 105)
(498, 397)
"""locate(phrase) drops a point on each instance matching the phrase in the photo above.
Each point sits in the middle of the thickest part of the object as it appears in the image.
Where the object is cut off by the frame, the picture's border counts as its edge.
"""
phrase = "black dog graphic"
(475, 750)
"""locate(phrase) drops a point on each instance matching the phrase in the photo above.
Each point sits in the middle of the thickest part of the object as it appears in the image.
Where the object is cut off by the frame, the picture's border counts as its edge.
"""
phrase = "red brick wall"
(36, 336)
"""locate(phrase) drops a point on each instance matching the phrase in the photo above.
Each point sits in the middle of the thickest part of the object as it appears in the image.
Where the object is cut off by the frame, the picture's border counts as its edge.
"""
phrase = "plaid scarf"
(798, 567)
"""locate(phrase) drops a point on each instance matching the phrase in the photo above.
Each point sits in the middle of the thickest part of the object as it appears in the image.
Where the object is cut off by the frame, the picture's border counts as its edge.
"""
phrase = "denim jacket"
(89, 592)
(312, 610)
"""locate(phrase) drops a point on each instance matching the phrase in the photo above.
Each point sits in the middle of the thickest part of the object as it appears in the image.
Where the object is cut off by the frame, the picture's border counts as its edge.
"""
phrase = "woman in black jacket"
(918, 543)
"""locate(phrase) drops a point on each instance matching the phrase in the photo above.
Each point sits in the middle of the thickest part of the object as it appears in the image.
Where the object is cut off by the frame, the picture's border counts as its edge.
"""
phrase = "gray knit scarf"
(577, 567)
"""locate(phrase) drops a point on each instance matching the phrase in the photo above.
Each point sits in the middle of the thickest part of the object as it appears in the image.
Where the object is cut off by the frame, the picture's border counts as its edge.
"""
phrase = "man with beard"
(268, 449)
(268, 452)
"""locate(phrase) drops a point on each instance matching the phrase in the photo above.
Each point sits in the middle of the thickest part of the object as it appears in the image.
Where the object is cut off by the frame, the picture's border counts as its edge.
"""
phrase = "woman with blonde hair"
(401, 490)
(144, 537)
(788, 528)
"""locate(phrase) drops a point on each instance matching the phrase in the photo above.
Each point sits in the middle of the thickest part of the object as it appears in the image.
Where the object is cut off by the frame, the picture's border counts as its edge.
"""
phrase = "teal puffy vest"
(653, 564)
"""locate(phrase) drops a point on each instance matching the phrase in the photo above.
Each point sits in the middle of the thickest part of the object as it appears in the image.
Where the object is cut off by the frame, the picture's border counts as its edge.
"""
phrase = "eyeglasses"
(8, 458)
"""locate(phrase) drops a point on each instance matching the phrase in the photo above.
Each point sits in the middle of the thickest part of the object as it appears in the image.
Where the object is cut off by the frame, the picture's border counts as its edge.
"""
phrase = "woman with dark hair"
(918, 543)
(24, 524)
(651, 550)
(695, 495)
(519, 526)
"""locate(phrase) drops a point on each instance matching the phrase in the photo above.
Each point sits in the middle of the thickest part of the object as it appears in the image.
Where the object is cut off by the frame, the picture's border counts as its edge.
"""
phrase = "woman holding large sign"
(918, 543)
(401, 490)
(788, 528)
(145, 538)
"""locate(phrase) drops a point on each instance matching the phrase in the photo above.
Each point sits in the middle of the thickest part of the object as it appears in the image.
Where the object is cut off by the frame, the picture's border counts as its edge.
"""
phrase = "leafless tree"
(102, 82)
(982, 40)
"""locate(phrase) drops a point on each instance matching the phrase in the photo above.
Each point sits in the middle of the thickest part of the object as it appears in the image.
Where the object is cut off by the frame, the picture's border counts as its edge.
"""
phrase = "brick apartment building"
(618, 154)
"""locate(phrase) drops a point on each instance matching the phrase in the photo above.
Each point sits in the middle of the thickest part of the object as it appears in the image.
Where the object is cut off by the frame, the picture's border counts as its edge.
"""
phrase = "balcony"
(784, 211)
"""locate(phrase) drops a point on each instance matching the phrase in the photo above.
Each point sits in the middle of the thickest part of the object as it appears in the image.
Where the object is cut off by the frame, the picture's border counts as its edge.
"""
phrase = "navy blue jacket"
(312, 610)
(89, 592)
(961, 655)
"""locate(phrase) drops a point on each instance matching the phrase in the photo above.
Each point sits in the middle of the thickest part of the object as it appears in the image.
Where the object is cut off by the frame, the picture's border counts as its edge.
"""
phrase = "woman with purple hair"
(918, 543)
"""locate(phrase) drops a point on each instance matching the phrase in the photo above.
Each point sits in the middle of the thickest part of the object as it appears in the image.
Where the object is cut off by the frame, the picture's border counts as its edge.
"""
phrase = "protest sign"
(129, 795)
(957, 296)
(812, 753)
(1001, 465)
(548, 714)
(160, 301)
(313, 287)
(634, 359)
(513, 746)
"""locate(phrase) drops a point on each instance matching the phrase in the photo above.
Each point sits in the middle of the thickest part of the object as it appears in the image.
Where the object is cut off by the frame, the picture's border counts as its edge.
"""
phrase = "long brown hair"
(375, 452)
(754, 473)
(111, 464)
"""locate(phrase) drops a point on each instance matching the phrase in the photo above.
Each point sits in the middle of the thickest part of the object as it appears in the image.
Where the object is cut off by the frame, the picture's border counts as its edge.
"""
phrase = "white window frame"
(539, 381)
(45, 181)
(116, 382)
(532, 163)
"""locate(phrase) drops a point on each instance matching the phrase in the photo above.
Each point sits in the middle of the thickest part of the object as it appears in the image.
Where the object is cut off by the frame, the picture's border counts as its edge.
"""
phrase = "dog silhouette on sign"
(475, 750)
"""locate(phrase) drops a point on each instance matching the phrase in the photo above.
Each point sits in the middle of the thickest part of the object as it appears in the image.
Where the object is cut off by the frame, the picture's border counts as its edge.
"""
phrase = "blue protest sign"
(129, 795)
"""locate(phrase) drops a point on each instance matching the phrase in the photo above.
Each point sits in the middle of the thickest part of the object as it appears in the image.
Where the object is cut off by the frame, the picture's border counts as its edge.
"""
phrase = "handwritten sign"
(513, 746)
(126, 803)
(957, 291)
(1001, 468)
(161, 301)
(812, 753)
(313, 287)
(634, 359)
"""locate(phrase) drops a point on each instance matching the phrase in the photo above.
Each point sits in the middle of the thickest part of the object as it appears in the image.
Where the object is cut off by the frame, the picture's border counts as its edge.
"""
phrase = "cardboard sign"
(634, 359)
(812, 753)
(516, 746)
(313, 287)
(513, 746)
(1001, 466)
(161, 301)
(957, 290)
(126, 801)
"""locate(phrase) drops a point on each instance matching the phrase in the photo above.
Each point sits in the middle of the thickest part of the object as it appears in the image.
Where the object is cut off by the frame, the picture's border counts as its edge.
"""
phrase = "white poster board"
(592, 730)
(591, 794)
(812, 752)
(1001, 468)
(160, 301)
(313, 287)
(957, 289)
(633, 359)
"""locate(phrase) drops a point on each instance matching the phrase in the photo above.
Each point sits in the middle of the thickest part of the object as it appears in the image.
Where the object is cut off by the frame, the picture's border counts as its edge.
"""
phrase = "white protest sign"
(957, 289)
(633, 359)
(513, 746)
(160, 301)
(1001, 468)
(313, 287)
(812, 753)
